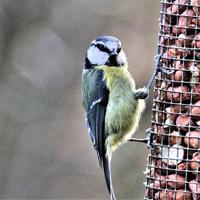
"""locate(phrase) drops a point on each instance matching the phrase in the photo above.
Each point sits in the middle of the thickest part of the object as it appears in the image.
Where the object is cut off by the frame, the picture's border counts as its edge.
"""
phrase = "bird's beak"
(114, 53)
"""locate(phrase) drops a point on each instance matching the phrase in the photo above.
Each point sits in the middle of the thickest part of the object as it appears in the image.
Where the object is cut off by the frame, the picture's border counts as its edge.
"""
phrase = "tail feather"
(108, 177)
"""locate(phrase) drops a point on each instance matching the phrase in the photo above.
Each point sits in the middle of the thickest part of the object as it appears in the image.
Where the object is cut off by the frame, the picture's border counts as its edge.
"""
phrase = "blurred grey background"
(45, 151)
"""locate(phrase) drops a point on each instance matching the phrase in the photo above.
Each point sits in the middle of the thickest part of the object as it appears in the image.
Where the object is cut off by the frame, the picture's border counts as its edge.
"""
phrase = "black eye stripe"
(102, 48)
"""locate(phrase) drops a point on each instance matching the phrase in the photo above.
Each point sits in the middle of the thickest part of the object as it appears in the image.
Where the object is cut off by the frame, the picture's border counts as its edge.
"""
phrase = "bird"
(111, 102)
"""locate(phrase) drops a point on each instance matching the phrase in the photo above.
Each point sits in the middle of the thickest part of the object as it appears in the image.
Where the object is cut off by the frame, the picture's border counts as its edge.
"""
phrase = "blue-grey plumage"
(112, 104)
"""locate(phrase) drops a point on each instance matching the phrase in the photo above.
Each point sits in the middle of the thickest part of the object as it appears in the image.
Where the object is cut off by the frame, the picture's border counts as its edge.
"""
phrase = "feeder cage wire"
(173, 164)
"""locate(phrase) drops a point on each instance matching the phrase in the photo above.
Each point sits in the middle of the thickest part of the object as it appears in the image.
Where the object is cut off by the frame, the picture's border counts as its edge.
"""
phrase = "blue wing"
(95, 99)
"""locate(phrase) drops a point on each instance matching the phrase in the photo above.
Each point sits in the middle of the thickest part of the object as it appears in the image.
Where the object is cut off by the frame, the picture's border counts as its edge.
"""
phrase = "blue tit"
(112, 104)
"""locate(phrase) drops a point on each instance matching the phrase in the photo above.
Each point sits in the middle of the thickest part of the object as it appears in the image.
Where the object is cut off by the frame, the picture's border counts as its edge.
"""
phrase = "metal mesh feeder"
(173, 167)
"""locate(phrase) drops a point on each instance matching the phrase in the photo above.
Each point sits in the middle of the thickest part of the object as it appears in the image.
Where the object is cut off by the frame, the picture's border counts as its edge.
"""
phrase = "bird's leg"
(144, 140)
(143, 93)
(148, 140)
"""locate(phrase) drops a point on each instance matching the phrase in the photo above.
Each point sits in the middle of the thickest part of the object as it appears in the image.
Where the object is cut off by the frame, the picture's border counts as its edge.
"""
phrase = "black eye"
(119, 49)
(101, 47)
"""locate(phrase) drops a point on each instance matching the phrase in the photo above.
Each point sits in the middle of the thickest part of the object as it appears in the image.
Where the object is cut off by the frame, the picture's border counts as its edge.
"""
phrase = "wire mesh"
(173, 166)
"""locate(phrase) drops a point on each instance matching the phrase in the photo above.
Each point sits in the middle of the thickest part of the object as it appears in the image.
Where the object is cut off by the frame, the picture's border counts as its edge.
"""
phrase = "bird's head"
(105, 50)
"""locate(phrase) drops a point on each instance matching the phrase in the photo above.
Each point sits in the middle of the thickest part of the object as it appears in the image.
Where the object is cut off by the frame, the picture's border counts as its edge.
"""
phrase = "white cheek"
(121, 58)
(96, 56)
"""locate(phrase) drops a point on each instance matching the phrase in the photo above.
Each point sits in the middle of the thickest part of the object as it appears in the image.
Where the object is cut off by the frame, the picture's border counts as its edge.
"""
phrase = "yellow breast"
(123, 110)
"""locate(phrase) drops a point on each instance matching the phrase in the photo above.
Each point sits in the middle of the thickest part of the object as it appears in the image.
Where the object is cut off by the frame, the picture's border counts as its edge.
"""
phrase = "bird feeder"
(173, 165)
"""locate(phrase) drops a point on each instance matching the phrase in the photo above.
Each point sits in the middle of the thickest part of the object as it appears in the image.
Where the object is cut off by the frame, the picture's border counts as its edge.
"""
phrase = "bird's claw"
(157, 59)
(141, 93)
(149, 138)
(167, 71)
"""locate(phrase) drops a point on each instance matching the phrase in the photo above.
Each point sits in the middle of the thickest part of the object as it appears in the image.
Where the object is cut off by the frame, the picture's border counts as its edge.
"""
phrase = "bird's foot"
(148, 140)
(158, 67)
(157, 60)
(141, 93)
(167, 71)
